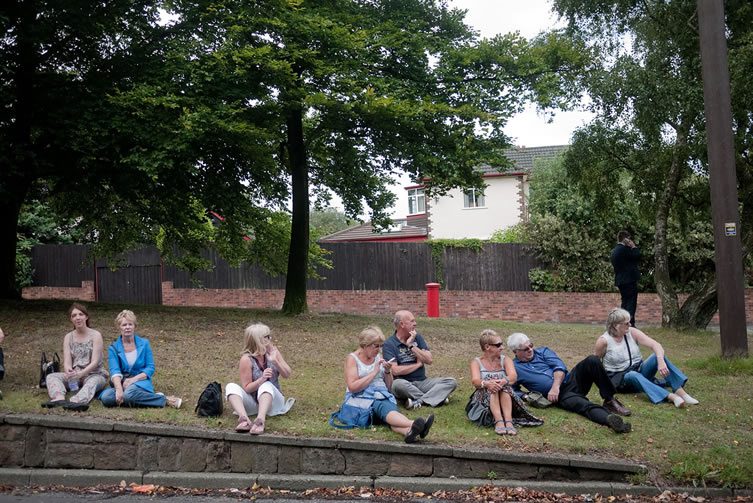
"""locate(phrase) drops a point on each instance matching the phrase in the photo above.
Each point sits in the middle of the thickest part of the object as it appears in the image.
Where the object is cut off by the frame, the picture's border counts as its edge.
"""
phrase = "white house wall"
(505, 206)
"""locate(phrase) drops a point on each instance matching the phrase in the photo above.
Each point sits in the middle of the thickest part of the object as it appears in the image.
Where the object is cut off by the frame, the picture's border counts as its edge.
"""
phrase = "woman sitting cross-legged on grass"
(619, 350)
(494, 401)
(369, 377)
(83, 366)
(259, 393)
(132, 367)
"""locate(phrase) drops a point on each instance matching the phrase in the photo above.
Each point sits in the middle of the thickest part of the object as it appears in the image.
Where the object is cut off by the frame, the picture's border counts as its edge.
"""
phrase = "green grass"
(711, 443)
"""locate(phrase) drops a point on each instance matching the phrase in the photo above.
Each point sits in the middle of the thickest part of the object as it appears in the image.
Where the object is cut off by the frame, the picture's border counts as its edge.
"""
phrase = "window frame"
(416, 200)
(474, 198)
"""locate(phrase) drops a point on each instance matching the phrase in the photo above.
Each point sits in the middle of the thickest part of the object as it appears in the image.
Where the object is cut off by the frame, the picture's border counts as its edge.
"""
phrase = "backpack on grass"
(210, 401)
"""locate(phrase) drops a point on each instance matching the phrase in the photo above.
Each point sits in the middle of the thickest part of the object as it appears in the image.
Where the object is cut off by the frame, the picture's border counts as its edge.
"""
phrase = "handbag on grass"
(47, 367)
(355, 412)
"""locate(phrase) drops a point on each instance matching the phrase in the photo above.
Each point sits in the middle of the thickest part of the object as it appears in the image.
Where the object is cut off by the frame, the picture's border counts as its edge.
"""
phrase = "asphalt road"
(61, 497)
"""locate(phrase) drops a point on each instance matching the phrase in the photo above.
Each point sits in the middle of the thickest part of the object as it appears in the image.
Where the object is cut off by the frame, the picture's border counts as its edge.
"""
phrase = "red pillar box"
(432, 300)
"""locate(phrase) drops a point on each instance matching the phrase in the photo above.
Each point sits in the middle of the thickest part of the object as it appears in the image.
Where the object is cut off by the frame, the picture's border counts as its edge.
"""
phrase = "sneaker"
(615, 407)
(415, 431)
(537, 400)
(174, 401)
(410, 404)
(688, 400)
(617, 424)
(427, 425)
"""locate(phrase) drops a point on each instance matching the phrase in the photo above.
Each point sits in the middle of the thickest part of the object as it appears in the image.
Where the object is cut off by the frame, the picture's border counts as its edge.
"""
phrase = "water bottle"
(73, 384)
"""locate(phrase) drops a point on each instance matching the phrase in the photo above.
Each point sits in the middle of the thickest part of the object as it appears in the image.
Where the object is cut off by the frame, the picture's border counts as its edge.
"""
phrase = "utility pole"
(720, 144)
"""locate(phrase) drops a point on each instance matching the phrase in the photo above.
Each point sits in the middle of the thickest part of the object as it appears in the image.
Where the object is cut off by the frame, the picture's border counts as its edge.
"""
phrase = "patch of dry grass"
(710, 443)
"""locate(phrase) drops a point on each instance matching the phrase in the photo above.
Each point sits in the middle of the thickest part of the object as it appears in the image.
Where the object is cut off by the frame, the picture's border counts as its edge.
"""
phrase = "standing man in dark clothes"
(625, 257)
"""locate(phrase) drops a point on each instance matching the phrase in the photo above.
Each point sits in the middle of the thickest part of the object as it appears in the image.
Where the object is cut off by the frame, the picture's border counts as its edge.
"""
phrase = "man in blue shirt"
(411, 353)
(542, 370)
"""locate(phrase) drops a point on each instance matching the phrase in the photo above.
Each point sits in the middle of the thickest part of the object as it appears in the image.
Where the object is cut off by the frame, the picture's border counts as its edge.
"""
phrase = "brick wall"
(565, 307)
(85, 293)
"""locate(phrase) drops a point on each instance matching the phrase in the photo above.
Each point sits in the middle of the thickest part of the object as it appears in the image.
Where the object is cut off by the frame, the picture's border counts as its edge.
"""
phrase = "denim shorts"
(380, 409)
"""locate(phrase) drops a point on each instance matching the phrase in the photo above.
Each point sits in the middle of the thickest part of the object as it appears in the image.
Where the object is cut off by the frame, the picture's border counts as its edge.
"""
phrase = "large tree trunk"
(698, 308)
(18, 174)
(295, 283)
(11, 198)
(664, 285)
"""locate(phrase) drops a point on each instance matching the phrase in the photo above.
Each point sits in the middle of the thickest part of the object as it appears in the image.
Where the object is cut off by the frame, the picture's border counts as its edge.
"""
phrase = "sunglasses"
(526, 347)
(268, 337)
(497, 345)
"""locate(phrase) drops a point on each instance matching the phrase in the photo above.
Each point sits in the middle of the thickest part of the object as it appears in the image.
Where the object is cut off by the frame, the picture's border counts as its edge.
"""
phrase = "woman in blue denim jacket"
(131, 369)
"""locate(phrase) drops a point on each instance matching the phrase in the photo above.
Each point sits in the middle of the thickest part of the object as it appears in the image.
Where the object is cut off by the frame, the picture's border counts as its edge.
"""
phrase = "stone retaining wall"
(39, 441)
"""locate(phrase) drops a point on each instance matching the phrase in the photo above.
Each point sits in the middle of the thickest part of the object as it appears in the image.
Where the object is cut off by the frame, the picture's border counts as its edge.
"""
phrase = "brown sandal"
(244, 426)
(257, 427)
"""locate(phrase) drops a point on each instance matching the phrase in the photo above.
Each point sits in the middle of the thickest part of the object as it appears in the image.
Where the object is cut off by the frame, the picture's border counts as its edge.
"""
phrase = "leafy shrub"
(513, 234)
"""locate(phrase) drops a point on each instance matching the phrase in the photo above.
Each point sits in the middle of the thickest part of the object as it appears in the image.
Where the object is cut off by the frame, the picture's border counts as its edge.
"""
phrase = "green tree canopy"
(648, 141)
(350, 93)
(239, 108)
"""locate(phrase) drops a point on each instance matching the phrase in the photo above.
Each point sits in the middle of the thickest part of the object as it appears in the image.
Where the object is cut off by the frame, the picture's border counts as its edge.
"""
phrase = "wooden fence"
(137, 276)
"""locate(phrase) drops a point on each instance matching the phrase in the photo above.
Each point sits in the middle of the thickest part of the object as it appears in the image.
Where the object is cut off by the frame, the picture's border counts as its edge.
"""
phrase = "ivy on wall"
(438, 247)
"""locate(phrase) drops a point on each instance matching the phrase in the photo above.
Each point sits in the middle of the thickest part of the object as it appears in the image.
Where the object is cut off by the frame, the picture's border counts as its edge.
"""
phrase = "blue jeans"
(644, 380)
(380, 409)
(133, 396)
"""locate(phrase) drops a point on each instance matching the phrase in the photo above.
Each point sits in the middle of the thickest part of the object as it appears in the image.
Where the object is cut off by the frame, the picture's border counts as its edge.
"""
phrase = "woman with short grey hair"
(619, 351)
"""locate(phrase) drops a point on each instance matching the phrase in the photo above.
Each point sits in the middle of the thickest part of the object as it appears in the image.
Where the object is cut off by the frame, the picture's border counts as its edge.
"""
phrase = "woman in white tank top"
(619, 351)
(368, 378)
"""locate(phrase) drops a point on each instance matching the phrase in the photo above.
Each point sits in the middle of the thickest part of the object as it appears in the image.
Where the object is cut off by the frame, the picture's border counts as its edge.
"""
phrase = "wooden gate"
(137, 279)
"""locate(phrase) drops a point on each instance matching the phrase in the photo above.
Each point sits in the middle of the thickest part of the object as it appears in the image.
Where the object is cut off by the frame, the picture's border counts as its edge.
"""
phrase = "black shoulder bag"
(210, 401)
(47, 367)
(617, 377)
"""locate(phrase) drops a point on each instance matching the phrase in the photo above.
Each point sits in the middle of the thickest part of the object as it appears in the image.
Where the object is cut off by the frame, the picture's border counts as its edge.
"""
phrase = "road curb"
(201, 480)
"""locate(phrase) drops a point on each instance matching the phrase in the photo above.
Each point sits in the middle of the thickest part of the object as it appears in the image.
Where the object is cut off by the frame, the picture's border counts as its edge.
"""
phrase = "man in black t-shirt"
(411, 353)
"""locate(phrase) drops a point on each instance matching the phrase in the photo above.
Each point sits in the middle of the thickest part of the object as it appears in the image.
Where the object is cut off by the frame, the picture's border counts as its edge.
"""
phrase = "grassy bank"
(711, 443)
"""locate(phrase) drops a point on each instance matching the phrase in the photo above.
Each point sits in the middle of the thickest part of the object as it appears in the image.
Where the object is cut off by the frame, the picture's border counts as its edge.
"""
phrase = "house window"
(473, 198)
(416, 201)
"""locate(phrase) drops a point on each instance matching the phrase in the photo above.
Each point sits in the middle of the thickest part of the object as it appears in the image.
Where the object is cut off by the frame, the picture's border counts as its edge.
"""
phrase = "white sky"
(529, 18)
